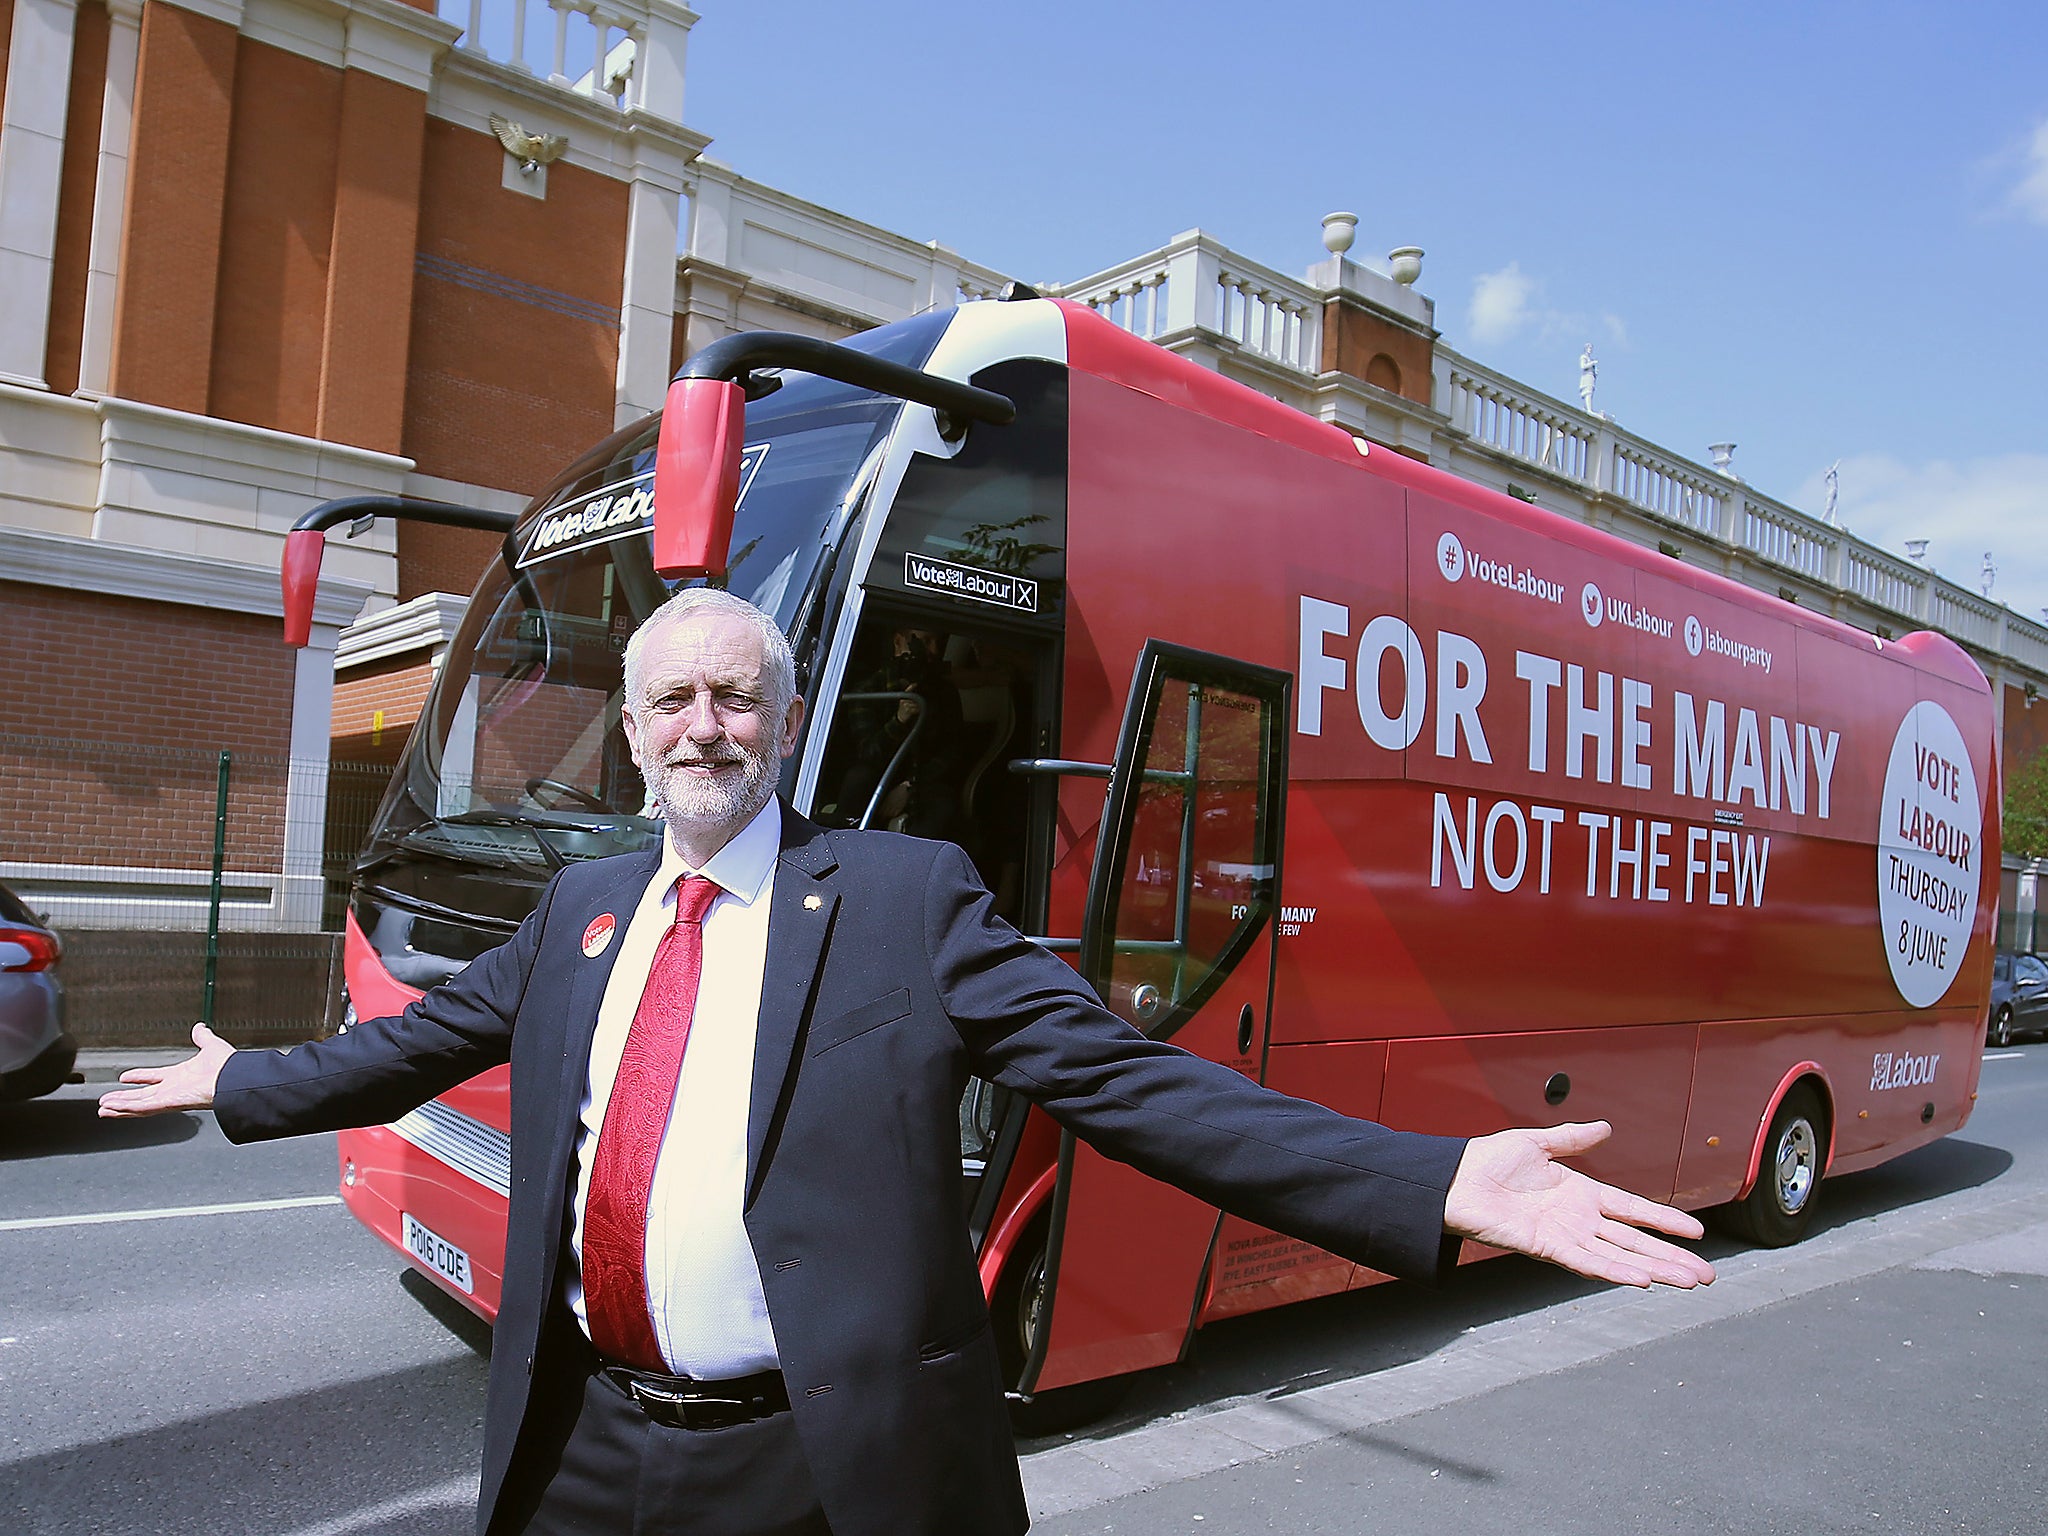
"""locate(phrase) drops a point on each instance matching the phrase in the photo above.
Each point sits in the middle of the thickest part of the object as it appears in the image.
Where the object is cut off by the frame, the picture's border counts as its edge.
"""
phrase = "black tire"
(1018, 1313)
(2000, 1032)
(1778, 1211)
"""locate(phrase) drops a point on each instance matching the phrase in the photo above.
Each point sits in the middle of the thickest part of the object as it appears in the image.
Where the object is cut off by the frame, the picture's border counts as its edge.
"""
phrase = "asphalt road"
(231, 1353)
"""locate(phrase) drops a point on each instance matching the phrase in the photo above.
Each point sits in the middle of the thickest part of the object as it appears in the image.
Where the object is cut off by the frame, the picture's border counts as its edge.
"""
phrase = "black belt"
(679, 1402)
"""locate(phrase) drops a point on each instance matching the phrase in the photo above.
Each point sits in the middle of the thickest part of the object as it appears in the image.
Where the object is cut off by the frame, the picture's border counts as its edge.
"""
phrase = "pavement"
(106, 1064)
(1752, 1406)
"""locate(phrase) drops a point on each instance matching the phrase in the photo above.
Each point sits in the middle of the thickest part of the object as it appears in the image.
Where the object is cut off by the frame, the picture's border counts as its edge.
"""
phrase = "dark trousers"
(623, 1475)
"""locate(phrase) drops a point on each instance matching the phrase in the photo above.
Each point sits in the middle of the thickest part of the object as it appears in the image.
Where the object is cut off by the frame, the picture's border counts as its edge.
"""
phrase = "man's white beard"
(696, 803)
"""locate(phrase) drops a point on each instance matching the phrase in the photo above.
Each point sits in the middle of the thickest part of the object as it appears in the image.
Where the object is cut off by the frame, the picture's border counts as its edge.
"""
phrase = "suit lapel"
(799, 920)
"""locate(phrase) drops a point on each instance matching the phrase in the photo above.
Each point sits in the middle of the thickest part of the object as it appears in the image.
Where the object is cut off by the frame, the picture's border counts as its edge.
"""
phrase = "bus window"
(923, 732)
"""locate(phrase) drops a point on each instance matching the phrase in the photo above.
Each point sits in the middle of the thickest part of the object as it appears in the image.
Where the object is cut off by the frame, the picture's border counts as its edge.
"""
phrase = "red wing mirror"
(307, 542)
(303, 548)
(697, 476)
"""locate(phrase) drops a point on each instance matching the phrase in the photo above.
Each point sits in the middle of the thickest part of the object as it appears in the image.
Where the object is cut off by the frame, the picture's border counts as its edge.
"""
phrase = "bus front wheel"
(1779, 1208)
(1019, 1311)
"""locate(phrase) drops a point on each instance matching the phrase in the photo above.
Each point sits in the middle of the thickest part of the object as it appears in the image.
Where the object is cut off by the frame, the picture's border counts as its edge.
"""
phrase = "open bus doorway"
(934, 709)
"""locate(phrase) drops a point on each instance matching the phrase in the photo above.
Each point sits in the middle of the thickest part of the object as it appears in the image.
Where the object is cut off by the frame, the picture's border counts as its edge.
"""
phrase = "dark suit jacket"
(878, 1003)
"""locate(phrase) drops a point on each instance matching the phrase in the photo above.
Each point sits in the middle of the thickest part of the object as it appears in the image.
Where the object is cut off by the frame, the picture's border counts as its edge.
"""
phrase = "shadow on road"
(1942, 1168)
(448, 1312)
(1278, 1353)
(67, 1127)
(290, 1464)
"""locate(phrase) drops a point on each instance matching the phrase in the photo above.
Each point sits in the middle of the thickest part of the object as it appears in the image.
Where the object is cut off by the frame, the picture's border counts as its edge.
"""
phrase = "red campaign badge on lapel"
(597, 937)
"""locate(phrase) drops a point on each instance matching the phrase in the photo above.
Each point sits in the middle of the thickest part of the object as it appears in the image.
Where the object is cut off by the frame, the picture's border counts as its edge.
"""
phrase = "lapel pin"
(598, 936)
(812, 903)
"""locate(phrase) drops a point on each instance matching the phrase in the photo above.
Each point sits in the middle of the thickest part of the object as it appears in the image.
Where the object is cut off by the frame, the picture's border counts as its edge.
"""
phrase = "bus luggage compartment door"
(1178, 940)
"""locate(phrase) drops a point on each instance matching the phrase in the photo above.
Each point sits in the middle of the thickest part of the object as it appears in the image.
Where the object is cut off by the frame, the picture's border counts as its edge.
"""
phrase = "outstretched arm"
(186, 1084)
(371, 1074)
(1511, 1192)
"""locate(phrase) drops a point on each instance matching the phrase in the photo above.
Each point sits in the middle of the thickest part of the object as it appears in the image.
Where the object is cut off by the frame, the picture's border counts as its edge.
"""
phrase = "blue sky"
(1817, 230)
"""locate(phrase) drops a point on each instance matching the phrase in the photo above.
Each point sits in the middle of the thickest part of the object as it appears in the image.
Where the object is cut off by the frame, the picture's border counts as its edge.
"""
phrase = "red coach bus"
(1420, 801)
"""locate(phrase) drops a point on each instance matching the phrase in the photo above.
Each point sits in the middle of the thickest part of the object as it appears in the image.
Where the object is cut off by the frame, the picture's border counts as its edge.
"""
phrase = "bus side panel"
(1635, 1078)
(1346, 970)
(1879, 1070)
(1255, 1267)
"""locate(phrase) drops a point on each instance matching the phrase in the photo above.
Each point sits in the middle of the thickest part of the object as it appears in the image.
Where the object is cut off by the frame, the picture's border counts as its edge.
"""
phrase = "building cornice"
(128, 422)
(226, 11)
(160, 576)
(426, 623)
(468, 87)
(397, 42)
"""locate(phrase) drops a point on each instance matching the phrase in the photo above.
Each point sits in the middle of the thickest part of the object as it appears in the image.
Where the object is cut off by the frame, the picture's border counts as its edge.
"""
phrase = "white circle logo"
(1929, 852)
(1450, 557)
(1695, 635)
(1591, 605)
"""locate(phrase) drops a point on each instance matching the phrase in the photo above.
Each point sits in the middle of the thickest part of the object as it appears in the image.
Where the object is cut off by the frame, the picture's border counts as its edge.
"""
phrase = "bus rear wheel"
(1019, 1311)
(1778, 1210)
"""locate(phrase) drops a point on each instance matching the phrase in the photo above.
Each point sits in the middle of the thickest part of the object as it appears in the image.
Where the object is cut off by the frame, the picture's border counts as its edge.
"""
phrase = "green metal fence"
(187, 883)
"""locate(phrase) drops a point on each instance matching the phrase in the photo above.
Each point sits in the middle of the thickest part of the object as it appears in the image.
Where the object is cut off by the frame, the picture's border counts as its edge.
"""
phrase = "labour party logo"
(1591, 605)
(1695, 635)
(1450, 557)
(1929, 853)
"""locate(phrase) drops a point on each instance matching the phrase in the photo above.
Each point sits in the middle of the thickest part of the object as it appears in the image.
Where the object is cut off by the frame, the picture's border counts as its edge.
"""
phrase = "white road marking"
(456, 1493)
(165, 1213)
(2003, 1055)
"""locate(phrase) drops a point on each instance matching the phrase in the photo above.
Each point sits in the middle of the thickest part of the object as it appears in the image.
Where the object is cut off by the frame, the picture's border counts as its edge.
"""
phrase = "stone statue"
(1589, 375)
(1834, 479)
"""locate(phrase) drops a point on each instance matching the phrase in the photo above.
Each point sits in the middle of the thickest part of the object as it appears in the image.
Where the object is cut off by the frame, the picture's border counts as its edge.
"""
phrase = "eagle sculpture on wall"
(529, 149)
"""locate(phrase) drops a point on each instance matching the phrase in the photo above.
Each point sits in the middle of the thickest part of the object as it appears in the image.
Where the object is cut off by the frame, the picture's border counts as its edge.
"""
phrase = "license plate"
(438, 1254)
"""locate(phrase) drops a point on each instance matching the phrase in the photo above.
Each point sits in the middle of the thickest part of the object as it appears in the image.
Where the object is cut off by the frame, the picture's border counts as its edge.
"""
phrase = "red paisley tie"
(635, 1120)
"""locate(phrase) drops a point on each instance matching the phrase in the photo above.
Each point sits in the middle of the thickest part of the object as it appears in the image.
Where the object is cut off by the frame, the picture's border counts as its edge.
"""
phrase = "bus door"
(1178, 940)
(934, 706)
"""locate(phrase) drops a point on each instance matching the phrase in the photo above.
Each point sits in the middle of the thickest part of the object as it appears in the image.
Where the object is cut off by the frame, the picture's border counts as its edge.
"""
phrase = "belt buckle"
(683, 1410)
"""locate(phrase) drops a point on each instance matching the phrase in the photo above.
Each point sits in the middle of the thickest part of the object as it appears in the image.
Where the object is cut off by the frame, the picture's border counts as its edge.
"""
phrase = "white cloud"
(1500, 303)
(1963, 508)
(1508, 303)
(2030, 198)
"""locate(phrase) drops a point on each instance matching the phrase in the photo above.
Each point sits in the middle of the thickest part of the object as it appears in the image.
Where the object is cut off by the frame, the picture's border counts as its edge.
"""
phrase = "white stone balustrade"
(1787, 538)
(629, 51)
(1197, 296)
(1511, 420)
(1656, 484)
(1966, 616)
(1514, 421)
(1883, 580)
(1198, 284)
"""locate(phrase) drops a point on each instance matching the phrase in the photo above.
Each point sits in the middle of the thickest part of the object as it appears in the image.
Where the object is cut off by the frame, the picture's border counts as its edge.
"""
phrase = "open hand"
(1511, 1192)
(186, 1084)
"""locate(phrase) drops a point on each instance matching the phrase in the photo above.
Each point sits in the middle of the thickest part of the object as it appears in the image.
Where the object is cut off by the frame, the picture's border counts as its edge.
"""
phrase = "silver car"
(36, 1055)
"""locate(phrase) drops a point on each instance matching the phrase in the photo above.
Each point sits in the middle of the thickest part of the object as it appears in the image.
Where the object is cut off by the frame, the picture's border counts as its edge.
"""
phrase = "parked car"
(2019, 997)
(36, 1055)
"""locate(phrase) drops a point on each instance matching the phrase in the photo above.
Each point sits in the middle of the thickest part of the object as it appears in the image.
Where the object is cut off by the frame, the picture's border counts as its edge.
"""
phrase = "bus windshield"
(520, 763)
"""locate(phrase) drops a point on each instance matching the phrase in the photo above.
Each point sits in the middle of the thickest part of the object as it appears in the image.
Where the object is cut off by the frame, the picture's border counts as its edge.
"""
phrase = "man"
(734, 1145)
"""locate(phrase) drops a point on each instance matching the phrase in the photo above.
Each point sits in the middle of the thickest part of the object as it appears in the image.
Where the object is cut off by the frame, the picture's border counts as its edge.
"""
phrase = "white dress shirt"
(704, 1288)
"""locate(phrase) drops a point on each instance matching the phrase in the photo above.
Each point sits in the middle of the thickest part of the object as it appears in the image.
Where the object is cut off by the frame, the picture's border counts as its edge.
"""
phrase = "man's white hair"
(778, 665)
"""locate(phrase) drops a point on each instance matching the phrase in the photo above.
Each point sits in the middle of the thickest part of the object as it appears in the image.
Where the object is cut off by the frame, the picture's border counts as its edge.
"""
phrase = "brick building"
(258, 254)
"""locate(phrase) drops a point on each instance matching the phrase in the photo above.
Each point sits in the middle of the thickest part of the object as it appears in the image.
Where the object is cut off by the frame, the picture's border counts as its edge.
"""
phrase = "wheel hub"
(1797, 1162)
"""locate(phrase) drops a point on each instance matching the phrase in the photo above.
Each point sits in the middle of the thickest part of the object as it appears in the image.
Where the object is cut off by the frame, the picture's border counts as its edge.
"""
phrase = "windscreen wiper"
(532, 826)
